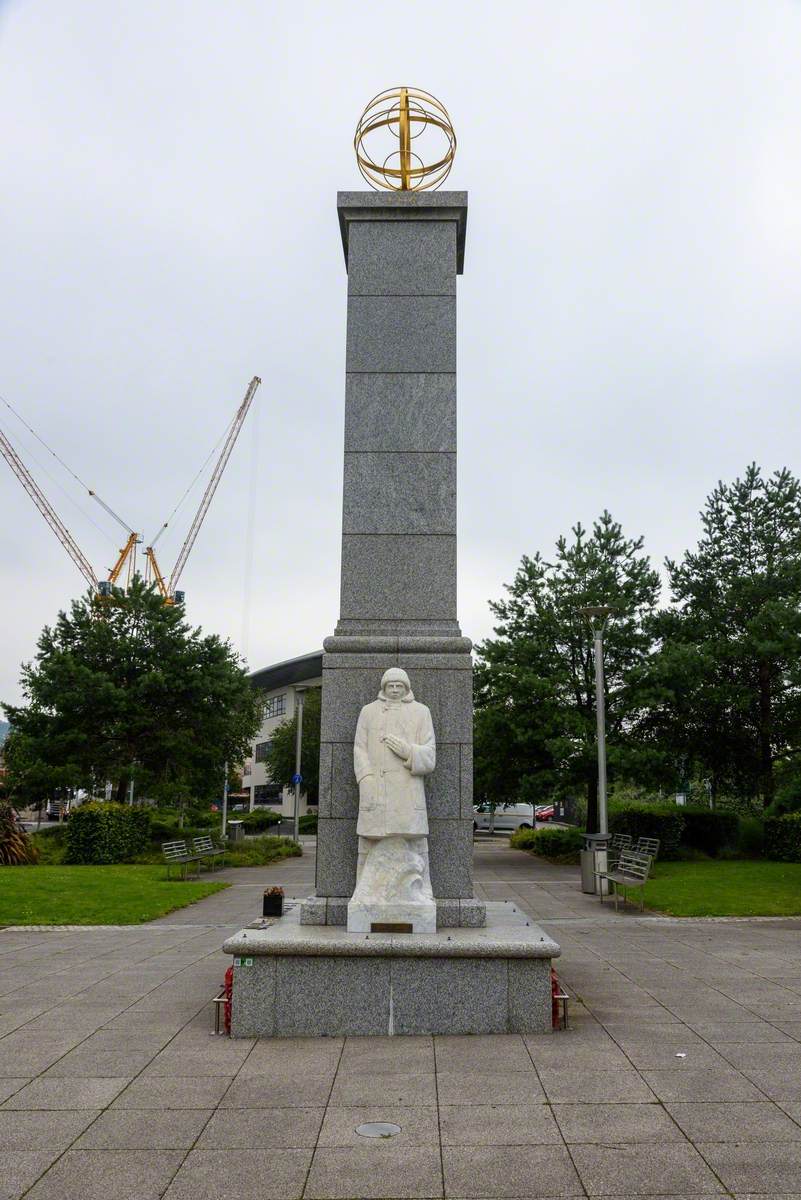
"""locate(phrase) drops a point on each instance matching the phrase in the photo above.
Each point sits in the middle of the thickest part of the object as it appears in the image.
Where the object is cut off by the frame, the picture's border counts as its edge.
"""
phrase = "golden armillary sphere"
(386, 145)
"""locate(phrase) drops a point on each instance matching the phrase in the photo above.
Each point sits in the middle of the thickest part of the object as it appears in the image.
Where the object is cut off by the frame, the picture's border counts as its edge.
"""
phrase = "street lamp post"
(297, 778)
(598, 618)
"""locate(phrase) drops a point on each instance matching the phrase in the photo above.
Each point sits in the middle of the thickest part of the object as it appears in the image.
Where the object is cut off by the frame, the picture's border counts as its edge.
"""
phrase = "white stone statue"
(394, 749)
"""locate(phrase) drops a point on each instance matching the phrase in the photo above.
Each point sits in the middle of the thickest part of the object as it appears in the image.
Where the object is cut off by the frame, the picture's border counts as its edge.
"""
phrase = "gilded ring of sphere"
(396, 129)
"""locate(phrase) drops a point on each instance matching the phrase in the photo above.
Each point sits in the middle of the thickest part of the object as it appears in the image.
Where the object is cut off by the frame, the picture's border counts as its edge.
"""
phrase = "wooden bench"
(204, 847)
(176, 854)
(632, 871)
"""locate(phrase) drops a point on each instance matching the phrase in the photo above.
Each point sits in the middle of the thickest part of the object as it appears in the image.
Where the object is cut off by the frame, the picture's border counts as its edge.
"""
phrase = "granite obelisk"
(403, 252)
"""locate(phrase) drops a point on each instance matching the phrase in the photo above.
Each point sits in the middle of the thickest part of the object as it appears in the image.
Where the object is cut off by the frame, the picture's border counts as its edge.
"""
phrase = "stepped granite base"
(294, 980)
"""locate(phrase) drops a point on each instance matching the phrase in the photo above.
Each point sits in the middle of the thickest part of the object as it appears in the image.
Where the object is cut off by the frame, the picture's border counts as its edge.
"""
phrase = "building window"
(275, 706)
(262, 750)
(246, 769)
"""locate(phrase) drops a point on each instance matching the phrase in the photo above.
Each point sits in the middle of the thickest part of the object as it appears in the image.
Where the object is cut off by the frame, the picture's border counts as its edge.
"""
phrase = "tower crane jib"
(48, 512)
(208, 495)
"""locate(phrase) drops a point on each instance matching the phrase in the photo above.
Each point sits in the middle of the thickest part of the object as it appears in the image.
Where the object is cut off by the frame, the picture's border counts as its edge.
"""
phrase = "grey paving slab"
(66, 1094)
(278, 1128)
(408, 1090)
(489, 1087)
(23, 1130)
(250, 1174)
(599, 1087)
(529, 1171)
(529, 1124)
(376, 1055)
(767, 1167)
(623, 1123)
(717, 1122)
(19, 1169)
(95, 1174)
(144, 1129)
(104, 1064)
(495, 1052)
(662, 1170)
(278, 1091)
(9, 1086)
(379, 1170)
(418, 1126)
(701, 1084)
(178, 1092)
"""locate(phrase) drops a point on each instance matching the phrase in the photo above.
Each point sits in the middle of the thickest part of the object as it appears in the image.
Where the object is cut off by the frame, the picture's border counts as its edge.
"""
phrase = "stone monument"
(406, 947)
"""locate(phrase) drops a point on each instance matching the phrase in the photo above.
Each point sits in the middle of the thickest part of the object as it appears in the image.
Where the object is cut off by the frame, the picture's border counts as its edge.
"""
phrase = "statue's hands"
(398, 746)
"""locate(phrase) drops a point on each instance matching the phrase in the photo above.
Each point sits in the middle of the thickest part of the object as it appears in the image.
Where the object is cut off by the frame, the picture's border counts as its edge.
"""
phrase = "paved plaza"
(680, 1075)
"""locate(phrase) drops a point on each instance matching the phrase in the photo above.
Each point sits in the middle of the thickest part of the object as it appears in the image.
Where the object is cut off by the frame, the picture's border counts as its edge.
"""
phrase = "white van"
(508, 817)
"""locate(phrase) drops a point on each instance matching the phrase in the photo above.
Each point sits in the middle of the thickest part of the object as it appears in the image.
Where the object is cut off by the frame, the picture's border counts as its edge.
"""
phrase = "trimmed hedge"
(650, 820)
(106, 833)
(260, 818)
(561, 843)
(710, 829)
(308, 823)
(783, 837)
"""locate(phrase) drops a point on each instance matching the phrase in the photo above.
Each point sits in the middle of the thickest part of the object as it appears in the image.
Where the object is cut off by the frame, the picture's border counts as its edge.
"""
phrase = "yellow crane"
(126, 561)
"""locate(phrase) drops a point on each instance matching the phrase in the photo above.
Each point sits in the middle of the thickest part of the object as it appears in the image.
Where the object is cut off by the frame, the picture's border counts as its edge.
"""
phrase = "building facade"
(279, 685)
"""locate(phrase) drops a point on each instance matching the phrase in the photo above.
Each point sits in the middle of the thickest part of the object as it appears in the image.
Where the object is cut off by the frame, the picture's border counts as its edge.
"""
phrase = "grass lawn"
(712, 888)
(118, 895)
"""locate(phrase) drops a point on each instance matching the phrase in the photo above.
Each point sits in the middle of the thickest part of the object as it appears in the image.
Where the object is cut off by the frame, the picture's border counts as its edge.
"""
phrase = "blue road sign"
(297, 779)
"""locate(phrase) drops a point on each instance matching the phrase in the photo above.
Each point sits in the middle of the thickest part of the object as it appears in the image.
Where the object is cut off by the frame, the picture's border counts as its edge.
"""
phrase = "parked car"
(508, 817)
(544, 812)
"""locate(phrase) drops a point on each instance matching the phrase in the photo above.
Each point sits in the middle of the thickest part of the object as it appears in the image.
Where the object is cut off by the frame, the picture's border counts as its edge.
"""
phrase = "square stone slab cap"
(507, 934)
(389, 206)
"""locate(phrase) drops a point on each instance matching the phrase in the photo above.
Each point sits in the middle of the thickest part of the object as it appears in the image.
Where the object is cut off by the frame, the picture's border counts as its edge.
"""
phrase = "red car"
(543, 812)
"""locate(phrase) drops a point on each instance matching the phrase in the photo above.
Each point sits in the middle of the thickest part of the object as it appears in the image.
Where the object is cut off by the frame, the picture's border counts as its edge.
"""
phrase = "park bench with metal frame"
(176, 854)
(632, 871)
(204, 847)
(647, 845)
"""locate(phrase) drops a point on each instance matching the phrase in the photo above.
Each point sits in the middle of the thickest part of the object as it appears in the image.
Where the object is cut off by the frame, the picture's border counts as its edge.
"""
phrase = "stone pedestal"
(295, 980)
(398, 595)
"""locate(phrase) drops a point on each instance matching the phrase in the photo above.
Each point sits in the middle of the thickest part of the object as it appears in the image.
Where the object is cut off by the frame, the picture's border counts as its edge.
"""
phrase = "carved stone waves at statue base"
(394, 749)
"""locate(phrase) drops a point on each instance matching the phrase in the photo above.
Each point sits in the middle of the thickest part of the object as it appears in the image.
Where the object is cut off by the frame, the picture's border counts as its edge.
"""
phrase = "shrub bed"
(259, 851)
(783, 837)
(308, 823)
(106, 833)
(556, 843)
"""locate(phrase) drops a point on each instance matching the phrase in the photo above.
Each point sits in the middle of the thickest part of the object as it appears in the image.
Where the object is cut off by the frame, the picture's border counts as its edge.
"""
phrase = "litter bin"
(593, 858)
(236, 831)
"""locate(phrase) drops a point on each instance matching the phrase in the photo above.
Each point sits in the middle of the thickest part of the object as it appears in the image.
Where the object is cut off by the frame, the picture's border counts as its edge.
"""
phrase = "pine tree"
(535, 682)
(727, 683)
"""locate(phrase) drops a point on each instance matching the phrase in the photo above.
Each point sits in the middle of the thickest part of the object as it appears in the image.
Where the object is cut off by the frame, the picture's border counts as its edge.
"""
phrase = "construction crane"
(168, 588)
(49, 513)
(127, 554)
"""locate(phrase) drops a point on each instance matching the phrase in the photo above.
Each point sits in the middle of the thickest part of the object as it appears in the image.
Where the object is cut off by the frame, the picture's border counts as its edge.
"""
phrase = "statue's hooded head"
(390, 689)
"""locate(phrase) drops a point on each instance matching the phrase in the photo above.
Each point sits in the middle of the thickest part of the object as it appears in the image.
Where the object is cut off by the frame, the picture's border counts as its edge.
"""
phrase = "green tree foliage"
(726, 685)
(124, 687)
(535, 689)
(280, 758)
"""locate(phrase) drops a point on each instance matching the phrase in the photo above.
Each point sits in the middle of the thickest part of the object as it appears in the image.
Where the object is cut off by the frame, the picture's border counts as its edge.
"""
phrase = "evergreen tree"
(727, 682)
(535, 682)
(123, 687)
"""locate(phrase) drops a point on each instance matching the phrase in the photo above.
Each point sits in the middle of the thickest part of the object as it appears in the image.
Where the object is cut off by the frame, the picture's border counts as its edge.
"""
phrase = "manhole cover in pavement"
(382, 1129)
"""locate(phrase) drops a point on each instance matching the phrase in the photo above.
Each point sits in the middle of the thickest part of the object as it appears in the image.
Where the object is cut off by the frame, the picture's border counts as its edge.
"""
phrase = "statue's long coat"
(392, 798)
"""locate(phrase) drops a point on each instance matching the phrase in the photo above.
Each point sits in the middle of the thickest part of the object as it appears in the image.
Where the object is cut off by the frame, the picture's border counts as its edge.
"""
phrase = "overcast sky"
(629, 316)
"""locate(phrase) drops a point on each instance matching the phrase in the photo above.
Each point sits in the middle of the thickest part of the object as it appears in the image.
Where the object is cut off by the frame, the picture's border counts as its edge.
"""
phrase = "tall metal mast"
(48, 512)
(208, 495)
